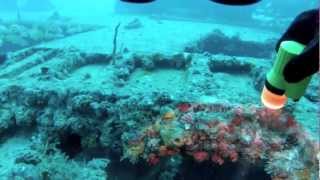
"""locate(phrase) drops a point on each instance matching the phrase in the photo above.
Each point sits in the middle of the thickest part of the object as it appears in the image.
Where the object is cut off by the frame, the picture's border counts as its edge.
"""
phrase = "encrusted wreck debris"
(59, 100)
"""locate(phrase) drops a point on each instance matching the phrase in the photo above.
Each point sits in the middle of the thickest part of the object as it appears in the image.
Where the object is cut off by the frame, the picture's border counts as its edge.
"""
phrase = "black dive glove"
(304, 29)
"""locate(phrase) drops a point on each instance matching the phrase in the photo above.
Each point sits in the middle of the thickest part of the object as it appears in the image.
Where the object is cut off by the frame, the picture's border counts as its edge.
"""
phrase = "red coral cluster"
(200, 156)
(274, 119)
(184, 107)
(216, 158)
(167, 151)
(251, 136)
(153, 159)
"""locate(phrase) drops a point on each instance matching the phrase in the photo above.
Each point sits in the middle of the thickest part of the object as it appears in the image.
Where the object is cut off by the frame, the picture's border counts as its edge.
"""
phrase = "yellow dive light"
(276, 90)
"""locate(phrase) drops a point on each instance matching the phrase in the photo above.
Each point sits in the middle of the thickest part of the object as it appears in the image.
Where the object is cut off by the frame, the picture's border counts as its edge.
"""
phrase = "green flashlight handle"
(287, 51)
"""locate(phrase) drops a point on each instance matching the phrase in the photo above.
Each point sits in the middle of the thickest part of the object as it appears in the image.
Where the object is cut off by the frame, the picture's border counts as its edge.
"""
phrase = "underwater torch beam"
(115, 40)
(277, 89)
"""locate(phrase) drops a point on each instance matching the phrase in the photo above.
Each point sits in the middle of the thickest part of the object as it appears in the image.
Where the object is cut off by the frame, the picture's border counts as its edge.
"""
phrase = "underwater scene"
(159, 90)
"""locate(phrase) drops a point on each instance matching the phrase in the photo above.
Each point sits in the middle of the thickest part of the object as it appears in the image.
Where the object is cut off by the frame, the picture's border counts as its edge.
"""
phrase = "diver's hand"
(304, 29)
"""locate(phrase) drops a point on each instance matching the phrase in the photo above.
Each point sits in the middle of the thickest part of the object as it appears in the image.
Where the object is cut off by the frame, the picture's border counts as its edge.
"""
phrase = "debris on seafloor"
(115, 42)
(16, 35)
(134, 24)
(150, 128)
(218, 42)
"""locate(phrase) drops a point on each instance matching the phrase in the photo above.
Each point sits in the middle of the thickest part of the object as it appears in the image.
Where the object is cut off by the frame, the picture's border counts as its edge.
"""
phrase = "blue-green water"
(168, 90)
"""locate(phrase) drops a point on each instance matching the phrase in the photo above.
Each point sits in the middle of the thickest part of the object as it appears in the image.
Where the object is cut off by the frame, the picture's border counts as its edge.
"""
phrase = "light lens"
(271, 100)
